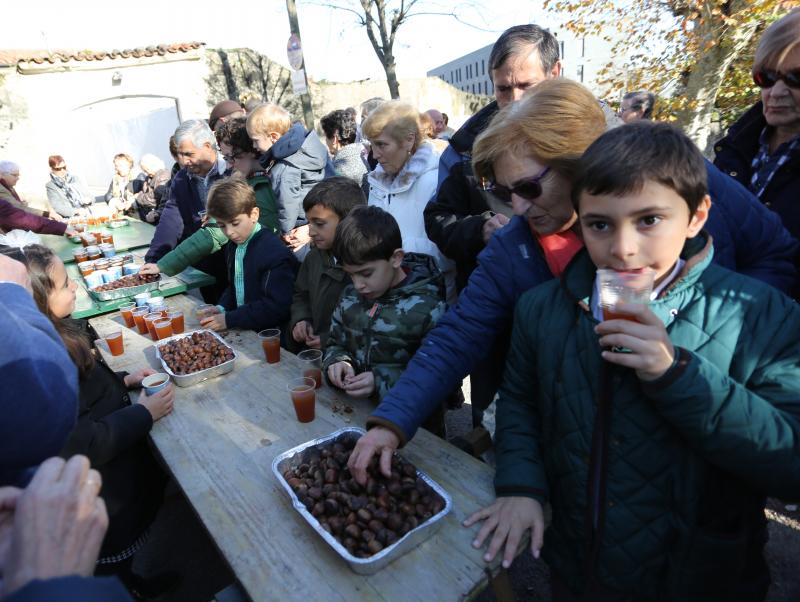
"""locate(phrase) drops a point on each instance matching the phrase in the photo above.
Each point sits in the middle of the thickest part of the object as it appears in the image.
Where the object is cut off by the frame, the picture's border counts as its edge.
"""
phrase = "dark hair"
(366, 234)
(642, 101)
(39, 259)
(230, 197)
(234, 133)
(624, 158)
(54, 160)
(520, 39)
(337, 193)
(445, 118)
(340, 124)
(173, 147)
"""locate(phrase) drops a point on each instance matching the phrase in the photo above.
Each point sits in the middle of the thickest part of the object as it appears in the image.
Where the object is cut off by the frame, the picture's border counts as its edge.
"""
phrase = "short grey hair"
(643, 101)
(8, 167)
(522, 40)
(373, 103)
(151, 163)
(197, 131)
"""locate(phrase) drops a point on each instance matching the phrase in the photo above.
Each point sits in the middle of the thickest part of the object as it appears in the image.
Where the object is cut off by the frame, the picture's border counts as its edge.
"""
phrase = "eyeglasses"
(766, 78)
(60, 168)
(529, 189)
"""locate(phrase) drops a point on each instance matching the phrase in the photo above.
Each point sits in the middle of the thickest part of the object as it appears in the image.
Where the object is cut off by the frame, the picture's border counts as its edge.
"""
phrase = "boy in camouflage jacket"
(382, 317)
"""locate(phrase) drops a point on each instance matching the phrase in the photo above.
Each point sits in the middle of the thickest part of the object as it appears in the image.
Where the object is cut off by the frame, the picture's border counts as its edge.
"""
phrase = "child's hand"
(159, 404)
(149, 268)
(215, 322)
(339, 373)
(135, 379)
(314, 342)
(652, 353)
(301, 331)
(361, 385)
(509, 517)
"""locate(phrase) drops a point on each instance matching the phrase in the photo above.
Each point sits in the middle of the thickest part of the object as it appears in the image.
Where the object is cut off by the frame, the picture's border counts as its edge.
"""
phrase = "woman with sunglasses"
(762, 149)
(527, 156)
(67, 193)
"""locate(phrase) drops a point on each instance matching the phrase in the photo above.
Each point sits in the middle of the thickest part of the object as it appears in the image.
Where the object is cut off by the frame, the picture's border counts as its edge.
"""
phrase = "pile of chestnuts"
(198, 351)
(364, 519)
(127, 281)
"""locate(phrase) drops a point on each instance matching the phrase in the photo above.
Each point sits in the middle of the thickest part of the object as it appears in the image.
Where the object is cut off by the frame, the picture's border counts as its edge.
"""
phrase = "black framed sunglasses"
(766, 78)
(529, 189)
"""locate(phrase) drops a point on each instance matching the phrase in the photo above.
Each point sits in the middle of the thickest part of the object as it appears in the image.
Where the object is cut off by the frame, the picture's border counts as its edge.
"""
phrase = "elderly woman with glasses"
(9, 176)
(527, 157)
(762, 149)
(67, 194)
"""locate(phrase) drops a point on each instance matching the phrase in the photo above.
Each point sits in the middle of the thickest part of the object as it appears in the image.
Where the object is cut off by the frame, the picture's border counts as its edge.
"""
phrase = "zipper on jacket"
(374, 310)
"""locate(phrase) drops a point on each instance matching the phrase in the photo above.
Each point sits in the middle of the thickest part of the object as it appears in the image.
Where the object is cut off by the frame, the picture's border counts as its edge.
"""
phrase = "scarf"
(69, 185)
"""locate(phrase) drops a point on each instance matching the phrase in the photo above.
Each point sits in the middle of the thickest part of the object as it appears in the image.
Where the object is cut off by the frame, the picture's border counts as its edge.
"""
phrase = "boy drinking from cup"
(655, 438)
(261, 269)
(394, 300)
(321, 279)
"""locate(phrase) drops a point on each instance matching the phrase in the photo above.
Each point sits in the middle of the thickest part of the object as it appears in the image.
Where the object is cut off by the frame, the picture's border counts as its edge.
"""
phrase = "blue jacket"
(748, 238)
(269, 273)
(180, 218)
(71, 589)
(39, 397)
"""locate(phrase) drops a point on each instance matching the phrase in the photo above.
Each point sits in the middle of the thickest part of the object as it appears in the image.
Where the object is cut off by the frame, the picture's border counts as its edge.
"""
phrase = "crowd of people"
(414, 256)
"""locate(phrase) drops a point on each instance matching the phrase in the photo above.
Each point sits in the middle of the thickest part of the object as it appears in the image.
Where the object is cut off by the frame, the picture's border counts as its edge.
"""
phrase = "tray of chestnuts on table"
(126, 287)
(194, 357)
(369, 526)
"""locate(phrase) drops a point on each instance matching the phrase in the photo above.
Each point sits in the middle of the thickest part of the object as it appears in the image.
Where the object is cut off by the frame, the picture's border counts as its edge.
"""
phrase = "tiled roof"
(12, 57)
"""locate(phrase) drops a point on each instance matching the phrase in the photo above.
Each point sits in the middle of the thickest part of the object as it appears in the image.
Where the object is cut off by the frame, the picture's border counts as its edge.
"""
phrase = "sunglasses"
(61, 168)
(766, 78)
(528, 189)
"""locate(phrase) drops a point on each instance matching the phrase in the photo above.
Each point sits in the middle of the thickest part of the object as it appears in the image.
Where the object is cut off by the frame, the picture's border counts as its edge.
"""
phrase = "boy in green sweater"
(655, 436)
(321, 279)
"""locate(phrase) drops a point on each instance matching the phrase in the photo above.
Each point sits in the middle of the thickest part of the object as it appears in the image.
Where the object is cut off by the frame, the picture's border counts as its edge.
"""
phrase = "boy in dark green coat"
(657, 438)
(321, 279)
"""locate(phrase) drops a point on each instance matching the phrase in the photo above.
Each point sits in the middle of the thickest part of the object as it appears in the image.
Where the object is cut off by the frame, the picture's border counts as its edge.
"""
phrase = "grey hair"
(7, 167)
(524, 39)
(151, 163)
(372, 104)
(642, 100)
(197, 131)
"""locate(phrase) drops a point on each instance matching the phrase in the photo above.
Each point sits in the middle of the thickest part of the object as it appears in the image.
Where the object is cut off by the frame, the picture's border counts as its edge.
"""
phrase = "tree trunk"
(391, 77)
(230, 82)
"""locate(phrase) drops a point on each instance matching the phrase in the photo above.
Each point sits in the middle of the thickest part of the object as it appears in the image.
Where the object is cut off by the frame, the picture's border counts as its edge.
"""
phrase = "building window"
(562, 50)
(459, 74)
(583, 47)
(483, 66)
(476, 68)
(580, 73)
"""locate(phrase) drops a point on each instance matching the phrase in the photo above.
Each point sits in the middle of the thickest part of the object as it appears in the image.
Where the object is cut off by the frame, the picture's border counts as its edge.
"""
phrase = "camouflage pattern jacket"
(382, 335)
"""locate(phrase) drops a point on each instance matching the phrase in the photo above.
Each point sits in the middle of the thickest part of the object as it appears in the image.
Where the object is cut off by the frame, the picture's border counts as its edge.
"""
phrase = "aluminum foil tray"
(124, 293)
(187, 380)
(363, 566)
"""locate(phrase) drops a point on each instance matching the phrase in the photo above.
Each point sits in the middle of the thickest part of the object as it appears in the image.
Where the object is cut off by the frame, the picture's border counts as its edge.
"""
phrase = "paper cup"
(155, 382)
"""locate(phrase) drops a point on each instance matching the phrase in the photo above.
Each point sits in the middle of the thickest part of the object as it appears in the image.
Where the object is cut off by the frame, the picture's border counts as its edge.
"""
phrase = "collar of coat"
(578, 278)
(423, 160)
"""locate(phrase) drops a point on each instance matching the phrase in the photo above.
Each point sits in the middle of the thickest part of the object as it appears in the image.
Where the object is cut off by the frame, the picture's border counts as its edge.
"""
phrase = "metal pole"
(308, 114)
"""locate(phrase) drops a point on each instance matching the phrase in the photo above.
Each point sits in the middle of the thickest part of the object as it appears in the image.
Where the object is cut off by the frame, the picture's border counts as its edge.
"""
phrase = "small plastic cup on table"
(107, 237)
(98, 237)
(312, 365)
(141, 299)
(271, 343)
(115, 344)
(80, 255)
(616, 287)
(176, 317)
(159, 307)
(126, 311)
(163, 328)
(139, 315)
(150, 319)
(86, 267)
(155, 382)
(304, 397)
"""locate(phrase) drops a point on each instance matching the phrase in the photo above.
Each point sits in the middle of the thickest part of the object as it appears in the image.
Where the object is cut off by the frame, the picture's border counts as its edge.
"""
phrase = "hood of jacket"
(421, 272)
(424, 160)
(299, 148)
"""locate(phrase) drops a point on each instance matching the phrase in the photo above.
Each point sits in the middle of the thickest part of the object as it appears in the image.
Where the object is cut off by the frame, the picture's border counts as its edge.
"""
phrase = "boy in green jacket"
(321, 279)
(655, 438)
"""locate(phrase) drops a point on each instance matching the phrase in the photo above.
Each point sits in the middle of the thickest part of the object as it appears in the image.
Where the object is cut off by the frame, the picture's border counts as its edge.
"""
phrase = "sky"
(336, 48)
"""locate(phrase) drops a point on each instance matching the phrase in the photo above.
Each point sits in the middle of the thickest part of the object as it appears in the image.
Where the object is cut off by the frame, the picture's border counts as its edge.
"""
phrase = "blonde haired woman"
(406, 176)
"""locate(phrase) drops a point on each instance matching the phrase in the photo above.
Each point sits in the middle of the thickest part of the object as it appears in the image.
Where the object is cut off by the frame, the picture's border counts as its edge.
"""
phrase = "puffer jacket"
(381, 335)
(658, 487)
(513, 262)
(295, 163)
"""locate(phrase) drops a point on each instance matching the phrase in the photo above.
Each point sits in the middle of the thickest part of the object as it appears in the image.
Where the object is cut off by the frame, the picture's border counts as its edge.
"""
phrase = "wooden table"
(219, 444)
(136, 235)
(86, 306)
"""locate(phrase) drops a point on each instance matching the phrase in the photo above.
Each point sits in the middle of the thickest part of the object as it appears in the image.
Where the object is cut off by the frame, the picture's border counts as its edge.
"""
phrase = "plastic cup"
(126, 311)
(150, 319)
(155, 382)
(158, 308)
(271, 343)
(303, 397)
(130, 268)
(114, 272)
(623, 287)
(138, 317)
(176, 317)
(163, 328)
(141, 299)
(205, 310)
(94, 279)
(107, 237)
(155, 301)
(115, 344)
(85, 267)
(80, 255)
(98, 237)
(312, 365)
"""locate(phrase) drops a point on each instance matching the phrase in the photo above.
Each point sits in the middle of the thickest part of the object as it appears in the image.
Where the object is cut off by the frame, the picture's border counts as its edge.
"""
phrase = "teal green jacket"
(210, 239)
(657, 488)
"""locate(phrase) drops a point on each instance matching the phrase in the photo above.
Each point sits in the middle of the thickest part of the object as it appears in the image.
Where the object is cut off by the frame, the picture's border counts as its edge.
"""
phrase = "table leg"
(501, 585)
